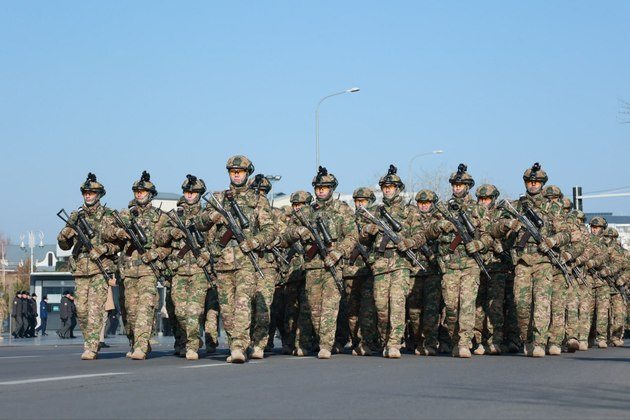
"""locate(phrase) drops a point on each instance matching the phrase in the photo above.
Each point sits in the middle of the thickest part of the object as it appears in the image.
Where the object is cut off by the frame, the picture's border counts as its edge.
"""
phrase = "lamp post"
(351, 90)
(272, 179)
(433, 152)
(31, 245)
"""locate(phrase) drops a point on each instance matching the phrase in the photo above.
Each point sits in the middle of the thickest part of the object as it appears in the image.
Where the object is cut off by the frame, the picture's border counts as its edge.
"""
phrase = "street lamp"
(272, 179)
(351, 90)
(31, 245)
(433, 152)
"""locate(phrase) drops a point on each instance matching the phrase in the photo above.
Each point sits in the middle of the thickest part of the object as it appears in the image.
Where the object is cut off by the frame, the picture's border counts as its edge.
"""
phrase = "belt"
(388, 253)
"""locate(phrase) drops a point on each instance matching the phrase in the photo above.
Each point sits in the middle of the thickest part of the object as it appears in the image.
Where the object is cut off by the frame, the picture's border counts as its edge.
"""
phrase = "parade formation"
(433, 275)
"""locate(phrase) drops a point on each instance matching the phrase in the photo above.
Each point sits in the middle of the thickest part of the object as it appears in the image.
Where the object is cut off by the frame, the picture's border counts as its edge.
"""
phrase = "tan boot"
(572, 345)
(554, 350)
(386, 353)
(494, 349)
(128, 355)
(257, 353)
(192, 355)
(480, 350)
(464, 352)
(324, 354)
(393, 353)
(138, 355)
(300, 352)
(583, 346)
(538, 352)
(617, 342)
(88, 355)
(602, 344)
(238, 356)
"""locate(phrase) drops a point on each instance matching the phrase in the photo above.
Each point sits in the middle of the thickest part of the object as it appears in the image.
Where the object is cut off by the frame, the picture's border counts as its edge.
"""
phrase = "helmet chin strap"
(93, 203)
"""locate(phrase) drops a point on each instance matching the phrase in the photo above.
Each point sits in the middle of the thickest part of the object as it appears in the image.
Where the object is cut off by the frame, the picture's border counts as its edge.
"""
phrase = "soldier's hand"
(203, 259)
(590, 264)
(513, 224)
(303, 233)
(97, 251)
(150, 255)
(605, 272)
(67, 233)
(546, 245)
(370, 229)
(566, 257)
(122, 234)
(405, 244)
(445, 226)
(332, 258)
(177, 234)
(580, 261)
(112, 281)
(214, 217)
(475, 246)
(249, 245)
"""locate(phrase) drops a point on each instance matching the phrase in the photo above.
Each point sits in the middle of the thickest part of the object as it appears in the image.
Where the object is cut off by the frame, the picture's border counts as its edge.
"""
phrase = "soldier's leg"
(573, 313)
(481, 312)
(367, 316)
(132, 290)
(603, 306)
(496, 300)
(342, 331)
(432, 295)
(397, 298)
(585, 311)
(172, 319)
(211, 325)
(81, 287)
(179, 292)
(261, 304)
(196, 296)
(558, 304)
(276, 322)
(97, 296)
(330, 298)
(469, 286)
(314, 289)
(291, 313)
(543, 278)
(510, 328)
(353, 306)
(244, 281)
(618, 312)
(147, 297)
(450, 293)
(381, 302)
(304, 333)
(414, 309)
(523, 289)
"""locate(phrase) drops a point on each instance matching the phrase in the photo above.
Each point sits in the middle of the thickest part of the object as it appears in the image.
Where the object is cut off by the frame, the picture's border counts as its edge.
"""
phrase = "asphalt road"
(52, 382)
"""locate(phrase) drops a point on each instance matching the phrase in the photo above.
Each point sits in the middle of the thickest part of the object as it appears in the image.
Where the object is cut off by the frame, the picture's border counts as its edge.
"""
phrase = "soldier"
(235, 265)
(460, 280)
(599, 269)
(321, 308)
(391, 266)
(426, 292)
(211, 318)
(617, 306)
(489, 325)
(139, 279)
(91, 283)
(189, 282)
(359, 288)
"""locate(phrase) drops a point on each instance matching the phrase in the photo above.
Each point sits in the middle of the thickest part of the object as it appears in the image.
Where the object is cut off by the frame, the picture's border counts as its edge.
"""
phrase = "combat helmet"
(144, 183)
(487, 190)
(535, 173)
(194, 184)
(426, 195)
(324, 179)
(240, 162)
(91, 184)
(611, 232)
(260, 183)
(462, 177)
(392, 178)
(599, 222)
(579, 214)
(364, 193)
(552, 191)
(301, 197)
(567, 205)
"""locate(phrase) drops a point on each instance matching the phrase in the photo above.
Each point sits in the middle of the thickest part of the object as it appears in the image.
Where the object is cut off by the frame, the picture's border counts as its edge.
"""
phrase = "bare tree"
(624, 112)
(435, 180)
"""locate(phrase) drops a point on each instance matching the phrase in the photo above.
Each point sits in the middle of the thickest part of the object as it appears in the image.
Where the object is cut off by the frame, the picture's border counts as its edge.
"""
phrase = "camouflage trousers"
(140, 301)
(361, 311)
(294, 297)
(236, 291)
(423, 307)
(261, 307)
(510, 319)
(618, 316)
(572, 326)
(602, 308)
(586, 308)
(189, 294)
(532, 291)
(559, 296)
(91, 295)
(172, 320)
(211, 317)
(489, 316)
(390, 296)
(276, 321)
(318, 311)
(459, 289)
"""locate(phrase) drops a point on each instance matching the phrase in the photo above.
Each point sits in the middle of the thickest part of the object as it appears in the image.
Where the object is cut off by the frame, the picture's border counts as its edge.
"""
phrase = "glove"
(590, 264)
(405, 244)
(112, 281)
(513, 225)
(580, 261)
(546, 245)
(203, 259)
(177, 234)
(566, 256)
(97, 251)
(605, 272)
(67, 233)
(370, 229)
(149, 256)
(121, 234)
(332, 258)
(303, 233)
(475, 246)
(445, 226)
(249, 245)
(214, 217)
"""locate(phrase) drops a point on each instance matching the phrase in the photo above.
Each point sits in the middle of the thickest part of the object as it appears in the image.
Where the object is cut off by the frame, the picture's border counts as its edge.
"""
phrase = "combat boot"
(583, 346)
(538, 352)
(480, 350)
(361, 350)
(138, 355)
(286, 349)
(617, 342)
(572, 345)
(463, 352)
(88, 355)
(494, 349)
(237, 356)
(192, 355)
(210, 349)
(602, 344)
(324, 354)
(300, 352)
(513, 347)
(257, 353)
(337, 348)
(128, 355)
(393, 353)
(554, 350)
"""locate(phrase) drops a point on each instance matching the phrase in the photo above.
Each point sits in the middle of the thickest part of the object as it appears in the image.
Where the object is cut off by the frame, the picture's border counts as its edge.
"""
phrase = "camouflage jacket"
(429, 253)
(384, 255)
(357, 264)
(262, 228)
(180, 258)
(98, 217)
(339, 220)
(452, 250)
(498, 256)
(150, 220)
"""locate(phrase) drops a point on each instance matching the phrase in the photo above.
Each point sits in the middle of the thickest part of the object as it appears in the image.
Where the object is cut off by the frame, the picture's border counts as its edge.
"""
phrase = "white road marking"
(61, 378)
(301, 358)
(217, 364)
(18, 357)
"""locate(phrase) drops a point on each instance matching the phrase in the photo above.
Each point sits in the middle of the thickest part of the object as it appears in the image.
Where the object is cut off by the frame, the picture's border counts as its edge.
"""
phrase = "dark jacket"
(32, 308)
(43, 310)
(66, 308)
(16, 310)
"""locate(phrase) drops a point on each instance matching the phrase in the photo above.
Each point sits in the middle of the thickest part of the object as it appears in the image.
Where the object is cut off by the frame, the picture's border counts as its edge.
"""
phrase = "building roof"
(610, 218)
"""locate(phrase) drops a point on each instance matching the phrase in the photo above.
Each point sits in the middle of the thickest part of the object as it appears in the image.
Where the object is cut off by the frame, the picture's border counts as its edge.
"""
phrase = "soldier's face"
(596, 230)
(459, 189)
(191, 197)
(424, 206)
(388, 190)
(297, 206)
(90, 197)
(360, 202)
(533, 187)
(484, 201)
(141, 195)
(323, 192)
(238, 176)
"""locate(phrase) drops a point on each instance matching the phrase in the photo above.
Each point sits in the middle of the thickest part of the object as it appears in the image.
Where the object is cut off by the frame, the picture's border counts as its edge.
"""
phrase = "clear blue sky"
(177, 87)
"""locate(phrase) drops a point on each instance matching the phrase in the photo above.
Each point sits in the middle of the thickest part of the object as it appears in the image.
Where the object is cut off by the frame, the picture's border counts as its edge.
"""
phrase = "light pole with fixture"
(410, 171)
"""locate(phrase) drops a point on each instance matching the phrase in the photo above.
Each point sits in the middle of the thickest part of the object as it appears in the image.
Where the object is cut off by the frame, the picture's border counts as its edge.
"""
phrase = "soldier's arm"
(415, 229)
(64, 242)
(163, 235)
(267, 229)
(349, 231)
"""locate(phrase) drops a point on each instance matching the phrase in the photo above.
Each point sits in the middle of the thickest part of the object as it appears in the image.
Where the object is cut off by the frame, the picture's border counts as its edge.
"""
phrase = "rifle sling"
(455, 243)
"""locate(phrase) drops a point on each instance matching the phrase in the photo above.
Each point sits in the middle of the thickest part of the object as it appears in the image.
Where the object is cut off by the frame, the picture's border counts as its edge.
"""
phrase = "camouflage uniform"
(423, 302)
(236, 275)
(460, 281)
(211, 319)
(189, 284)
(140, 282)
(320, 309)
(600, 269)
(90, 284)
(618, 260)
